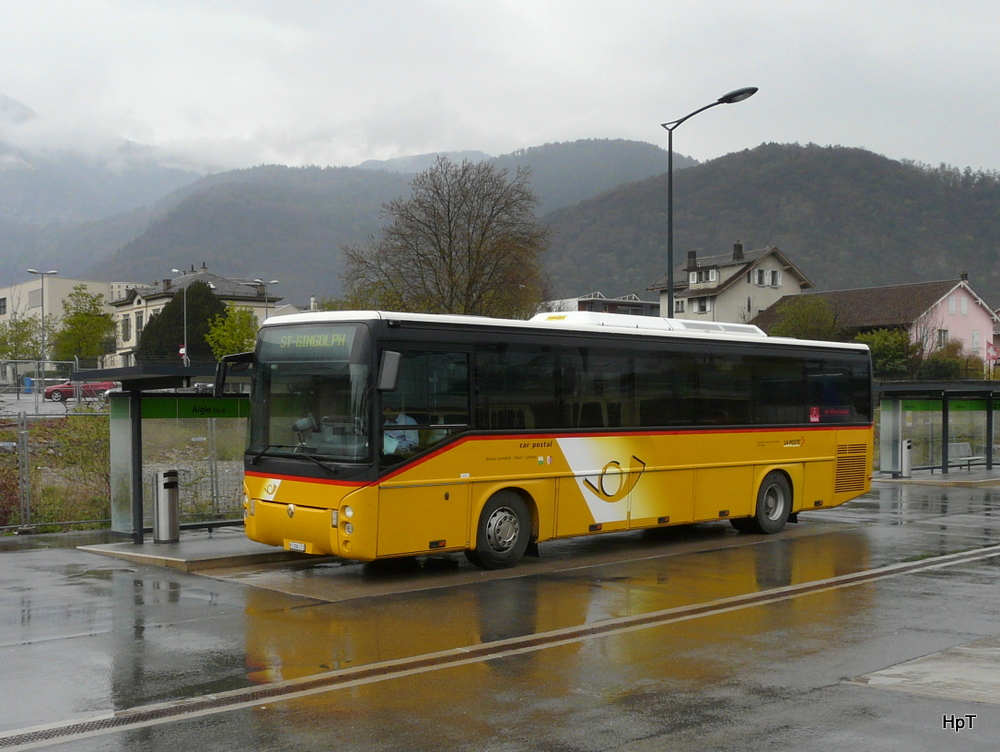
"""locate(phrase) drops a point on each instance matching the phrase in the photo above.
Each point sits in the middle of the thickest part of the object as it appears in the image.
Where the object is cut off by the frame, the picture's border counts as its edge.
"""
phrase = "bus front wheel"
(503, 532)
(774, 504)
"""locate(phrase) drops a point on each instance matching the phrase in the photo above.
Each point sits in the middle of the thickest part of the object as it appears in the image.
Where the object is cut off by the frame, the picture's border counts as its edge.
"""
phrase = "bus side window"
(839, 390)
(519, 388)
(429, 404)
(448, 396)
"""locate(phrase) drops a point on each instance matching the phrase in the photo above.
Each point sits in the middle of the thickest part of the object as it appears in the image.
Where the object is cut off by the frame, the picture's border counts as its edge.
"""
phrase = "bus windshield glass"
(312, 392)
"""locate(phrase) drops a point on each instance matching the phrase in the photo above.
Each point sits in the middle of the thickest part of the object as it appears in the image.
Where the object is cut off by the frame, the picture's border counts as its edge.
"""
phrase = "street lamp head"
(738, 95)
(35, 271)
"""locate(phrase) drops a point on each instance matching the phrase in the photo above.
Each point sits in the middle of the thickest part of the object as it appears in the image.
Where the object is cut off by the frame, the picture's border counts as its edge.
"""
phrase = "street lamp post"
(260, 281)
(185, 358)
(731, 98)
(43, 275)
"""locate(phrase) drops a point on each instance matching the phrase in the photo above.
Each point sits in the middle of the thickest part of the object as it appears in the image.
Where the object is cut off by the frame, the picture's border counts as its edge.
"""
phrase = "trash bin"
(166, 511)
(905, 458)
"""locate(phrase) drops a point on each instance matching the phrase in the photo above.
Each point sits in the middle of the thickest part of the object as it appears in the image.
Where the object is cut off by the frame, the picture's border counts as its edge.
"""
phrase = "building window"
(942, 337)
(679, 305)
(964, 306)
(701, 305)
(35, 298)
(951, 304)
(138, 323)
(3, 306)
(126, 328)
(703, 275)
(766, 277)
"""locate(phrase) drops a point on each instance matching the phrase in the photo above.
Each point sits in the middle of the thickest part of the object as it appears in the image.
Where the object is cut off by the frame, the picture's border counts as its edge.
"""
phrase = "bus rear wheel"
(774, 505)
(503, 532)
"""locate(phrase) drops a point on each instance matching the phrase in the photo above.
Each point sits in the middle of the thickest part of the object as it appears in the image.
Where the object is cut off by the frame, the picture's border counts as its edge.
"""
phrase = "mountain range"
(287, 223)
(845, 216)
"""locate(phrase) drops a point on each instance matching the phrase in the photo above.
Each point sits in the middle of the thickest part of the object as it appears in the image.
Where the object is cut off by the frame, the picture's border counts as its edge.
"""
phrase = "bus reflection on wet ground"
(717, 671)
(305, 641)
(643, 677)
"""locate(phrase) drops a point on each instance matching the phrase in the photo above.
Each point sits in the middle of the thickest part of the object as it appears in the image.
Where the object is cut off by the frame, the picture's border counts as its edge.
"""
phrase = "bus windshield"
(311, 392)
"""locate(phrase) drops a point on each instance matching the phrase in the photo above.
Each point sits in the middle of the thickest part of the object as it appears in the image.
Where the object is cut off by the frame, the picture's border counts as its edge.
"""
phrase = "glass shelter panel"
(921, 421)
(202, 438)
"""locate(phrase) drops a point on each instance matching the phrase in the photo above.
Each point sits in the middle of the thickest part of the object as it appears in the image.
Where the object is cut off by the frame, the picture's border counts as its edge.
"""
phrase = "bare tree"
(466, 241)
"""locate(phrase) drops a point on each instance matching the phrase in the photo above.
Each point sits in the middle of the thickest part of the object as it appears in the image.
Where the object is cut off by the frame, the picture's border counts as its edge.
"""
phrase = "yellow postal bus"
(376, 434)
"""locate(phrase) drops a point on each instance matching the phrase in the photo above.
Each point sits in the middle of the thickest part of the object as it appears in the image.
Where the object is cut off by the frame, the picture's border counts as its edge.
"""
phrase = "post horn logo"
(614, 483)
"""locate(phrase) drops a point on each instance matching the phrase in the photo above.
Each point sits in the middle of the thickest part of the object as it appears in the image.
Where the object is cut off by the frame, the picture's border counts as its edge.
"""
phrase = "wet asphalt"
(872, 626)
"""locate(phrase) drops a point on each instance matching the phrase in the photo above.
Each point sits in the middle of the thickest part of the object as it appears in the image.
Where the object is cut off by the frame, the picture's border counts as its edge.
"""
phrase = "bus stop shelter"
(135, 381)
(936, 425)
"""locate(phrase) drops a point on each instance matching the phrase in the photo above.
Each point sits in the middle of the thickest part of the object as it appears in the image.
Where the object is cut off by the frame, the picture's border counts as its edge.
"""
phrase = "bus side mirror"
(235, 362)
(388, 372)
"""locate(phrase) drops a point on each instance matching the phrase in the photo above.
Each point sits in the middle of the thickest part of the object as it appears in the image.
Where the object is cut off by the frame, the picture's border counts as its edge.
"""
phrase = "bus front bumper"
(308, 530)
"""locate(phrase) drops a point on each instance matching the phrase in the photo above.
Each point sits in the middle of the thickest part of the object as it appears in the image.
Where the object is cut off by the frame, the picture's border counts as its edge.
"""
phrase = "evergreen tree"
(163, 335)
(893, 355)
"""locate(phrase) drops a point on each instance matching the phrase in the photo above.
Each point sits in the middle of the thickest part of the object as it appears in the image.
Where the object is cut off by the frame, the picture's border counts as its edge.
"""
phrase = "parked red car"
(68, 390)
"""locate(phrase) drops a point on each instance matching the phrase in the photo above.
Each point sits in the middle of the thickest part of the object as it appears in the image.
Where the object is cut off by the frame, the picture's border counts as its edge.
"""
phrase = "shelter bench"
(960, 455)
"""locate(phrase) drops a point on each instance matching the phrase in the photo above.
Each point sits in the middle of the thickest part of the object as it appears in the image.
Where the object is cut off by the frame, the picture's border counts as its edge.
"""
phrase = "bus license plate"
(296, 546)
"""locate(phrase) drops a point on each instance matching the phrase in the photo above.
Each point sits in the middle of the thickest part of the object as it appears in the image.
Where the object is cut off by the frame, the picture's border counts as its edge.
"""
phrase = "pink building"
(932, 312)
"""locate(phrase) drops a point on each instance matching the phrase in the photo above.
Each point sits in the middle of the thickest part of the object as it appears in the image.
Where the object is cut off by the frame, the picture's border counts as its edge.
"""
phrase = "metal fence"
(55, 470)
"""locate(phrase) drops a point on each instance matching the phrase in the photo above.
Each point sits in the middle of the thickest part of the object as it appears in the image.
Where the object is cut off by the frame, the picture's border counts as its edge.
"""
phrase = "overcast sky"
(241, 82)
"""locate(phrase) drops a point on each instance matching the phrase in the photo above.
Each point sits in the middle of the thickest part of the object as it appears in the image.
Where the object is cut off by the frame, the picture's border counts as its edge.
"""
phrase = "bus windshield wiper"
(267, 447)
(297, 453)
(319, 462)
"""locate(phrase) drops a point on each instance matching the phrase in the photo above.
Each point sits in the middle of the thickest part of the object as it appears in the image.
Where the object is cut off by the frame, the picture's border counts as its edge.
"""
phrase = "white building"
(731, 287)
(630, 304)
(45, 295)
(26, 298)
(133, 311)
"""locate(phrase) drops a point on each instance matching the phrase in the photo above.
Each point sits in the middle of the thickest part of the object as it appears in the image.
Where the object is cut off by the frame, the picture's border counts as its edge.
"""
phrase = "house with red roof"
(932, 312)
